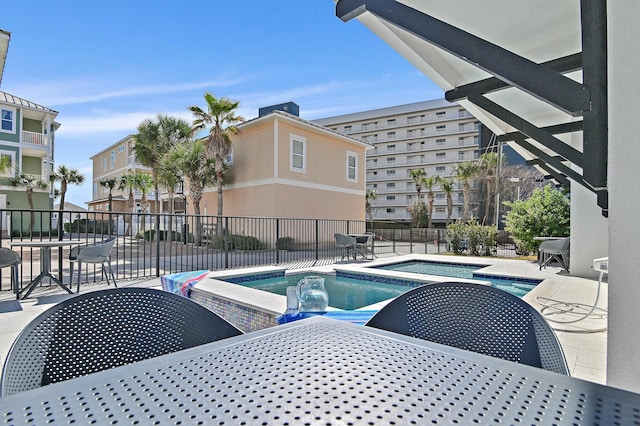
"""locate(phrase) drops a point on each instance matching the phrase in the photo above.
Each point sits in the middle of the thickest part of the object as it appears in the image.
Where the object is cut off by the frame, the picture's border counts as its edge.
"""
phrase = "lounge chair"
(554, 250)
(348, 245)
(475, 317)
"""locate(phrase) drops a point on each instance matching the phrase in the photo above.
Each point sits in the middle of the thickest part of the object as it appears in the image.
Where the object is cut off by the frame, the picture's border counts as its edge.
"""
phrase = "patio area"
(585, 352)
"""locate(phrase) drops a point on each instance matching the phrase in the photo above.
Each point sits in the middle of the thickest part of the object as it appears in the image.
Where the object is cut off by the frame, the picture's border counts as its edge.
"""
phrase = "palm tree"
(30, 182)
(66, 176)
(170, 175)
(418, 175)
(144, 184)
(487, 169)
(447, 187)
(466, 171)
(128, 182)
(429, 182)
(369, 196)
(221, 120)
(110, 184)
(154, 140)
(192, 160)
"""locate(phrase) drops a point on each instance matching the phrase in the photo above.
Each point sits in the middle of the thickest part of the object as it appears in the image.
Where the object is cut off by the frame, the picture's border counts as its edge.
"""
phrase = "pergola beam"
(517, 71)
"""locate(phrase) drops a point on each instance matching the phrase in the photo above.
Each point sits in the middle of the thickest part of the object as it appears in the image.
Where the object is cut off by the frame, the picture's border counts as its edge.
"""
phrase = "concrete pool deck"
(585, 352)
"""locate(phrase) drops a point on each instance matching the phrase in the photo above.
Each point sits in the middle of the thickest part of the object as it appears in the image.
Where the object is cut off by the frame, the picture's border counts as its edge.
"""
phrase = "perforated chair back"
(105, 329)
(93, 253)
(475, 317)
(8, 258)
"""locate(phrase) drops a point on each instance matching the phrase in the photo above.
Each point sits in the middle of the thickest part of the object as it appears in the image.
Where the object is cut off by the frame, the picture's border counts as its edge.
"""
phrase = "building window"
(460, 155)
(347, 129)
(441, 169)
(11, 156)
(391, 148)
(441, 155)
(409, 198)
(298, 146)
(391, 122)
(95, 189)
(461, 141)
(391, 135)
(391, 211)
(121, 148)
(229, 160)
(441, 128)
(113, 160)
(440, 196)
(7, 117)
(391, 197)
(352, 166)
(441, 114)
(391, 172)
(391, 160)
(391, 185)
(441, 141)
(439, 209)
(104, 164)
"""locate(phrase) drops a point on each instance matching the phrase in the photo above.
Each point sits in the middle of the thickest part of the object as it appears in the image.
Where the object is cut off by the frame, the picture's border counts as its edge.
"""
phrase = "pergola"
(549, 78)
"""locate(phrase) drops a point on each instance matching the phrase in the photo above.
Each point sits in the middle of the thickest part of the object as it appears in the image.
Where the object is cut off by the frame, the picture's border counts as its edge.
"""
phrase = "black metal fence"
(150, 245)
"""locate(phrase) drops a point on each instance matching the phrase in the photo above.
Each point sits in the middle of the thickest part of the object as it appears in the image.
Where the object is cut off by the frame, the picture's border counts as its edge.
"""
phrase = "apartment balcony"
(35, 144)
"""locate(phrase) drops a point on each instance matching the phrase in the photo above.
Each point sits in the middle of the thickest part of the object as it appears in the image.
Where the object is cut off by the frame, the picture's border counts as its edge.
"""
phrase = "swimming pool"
(348, 293)
(514, 285)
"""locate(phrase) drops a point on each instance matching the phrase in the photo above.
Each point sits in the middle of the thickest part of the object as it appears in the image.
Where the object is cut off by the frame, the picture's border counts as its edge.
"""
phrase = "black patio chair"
(11, 258)
(105, 329)
(93, 253)
(475, 317)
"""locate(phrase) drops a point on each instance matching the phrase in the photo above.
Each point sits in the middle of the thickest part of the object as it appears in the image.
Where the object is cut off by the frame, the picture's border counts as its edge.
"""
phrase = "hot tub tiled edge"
(246, 308)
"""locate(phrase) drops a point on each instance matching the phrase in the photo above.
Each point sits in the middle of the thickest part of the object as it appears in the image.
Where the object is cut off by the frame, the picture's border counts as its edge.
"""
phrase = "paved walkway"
(585, 351)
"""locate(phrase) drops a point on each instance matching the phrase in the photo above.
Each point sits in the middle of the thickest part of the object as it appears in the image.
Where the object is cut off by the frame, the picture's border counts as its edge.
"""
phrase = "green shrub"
(238, 242)
(284, 243)
(472, 237)
(545, 214)
(149, 235)
(456, 236)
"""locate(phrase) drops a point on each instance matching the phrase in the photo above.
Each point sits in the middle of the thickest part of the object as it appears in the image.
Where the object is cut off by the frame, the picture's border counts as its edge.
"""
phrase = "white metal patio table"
(45, 261)
(322, 371)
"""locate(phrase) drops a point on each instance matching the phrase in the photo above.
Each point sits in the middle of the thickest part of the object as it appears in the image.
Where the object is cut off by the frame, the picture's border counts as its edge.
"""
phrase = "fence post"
(277, 238)
(157, 244)
(411, 240)
(318, 237)
(439, 236)
(226, 241)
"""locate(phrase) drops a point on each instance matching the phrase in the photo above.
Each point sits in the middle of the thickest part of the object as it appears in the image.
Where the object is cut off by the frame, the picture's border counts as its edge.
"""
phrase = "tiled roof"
(14, 100)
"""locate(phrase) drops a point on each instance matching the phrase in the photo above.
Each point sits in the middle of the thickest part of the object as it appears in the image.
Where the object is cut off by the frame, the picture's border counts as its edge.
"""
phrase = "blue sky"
(106, 66)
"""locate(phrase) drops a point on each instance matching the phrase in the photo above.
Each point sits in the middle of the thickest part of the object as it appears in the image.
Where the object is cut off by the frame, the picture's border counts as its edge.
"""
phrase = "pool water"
(516, 286)
(344, 293)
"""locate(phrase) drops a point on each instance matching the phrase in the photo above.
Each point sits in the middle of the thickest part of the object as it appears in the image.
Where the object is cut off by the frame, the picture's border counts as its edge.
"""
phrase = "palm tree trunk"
(431, 199)
(466, 191)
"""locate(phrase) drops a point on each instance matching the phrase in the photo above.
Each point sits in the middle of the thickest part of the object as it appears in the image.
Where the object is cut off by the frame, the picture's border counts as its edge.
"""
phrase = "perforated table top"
(322, 371)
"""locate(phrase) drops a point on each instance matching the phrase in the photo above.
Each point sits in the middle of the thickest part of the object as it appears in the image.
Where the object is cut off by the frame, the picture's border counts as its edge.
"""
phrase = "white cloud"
(100, 122)
(81, 92)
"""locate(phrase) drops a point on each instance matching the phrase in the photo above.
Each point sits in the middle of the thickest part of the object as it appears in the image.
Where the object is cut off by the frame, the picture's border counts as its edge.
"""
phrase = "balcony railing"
(34, 138)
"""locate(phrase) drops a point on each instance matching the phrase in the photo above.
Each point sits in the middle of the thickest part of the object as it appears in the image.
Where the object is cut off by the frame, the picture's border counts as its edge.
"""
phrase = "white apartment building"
(434, 135)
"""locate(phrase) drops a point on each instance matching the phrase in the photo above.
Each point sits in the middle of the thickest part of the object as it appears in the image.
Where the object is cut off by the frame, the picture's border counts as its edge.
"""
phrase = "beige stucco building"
(113, 162)
(284, 166)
